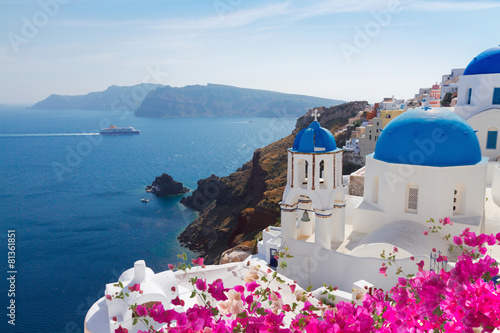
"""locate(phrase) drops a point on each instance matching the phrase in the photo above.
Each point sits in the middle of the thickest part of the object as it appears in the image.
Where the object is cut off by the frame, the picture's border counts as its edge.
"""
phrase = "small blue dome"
(487, 62)
(433, 137)
(314, 139)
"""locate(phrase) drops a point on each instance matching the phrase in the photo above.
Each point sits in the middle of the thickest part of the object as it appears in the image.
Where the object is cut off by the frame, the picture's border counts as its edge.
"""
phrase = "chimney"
(139, 271)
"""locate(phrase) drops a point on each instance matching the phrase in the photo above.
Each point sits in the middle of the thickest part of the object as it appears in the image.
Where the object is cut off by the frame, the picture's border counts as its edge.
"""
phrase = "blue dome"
(433, 137)
(487, 62)
(314, 139)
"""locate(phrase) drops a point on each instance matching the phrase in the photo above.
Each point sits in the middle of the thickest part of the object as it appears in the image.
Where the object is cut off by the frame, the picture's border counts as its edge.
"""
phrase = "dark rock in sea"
(165, 185)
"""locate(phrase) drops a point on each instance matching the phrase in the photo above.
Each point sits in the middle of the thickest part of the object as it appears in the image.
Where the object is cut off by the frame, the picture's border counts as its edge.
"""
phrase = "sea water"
(73, 198)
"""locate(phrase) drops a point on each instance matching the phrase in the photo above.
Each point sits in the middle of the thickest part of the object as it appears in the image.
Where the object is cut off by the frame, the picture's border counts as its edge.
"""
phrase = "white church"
(428, 163)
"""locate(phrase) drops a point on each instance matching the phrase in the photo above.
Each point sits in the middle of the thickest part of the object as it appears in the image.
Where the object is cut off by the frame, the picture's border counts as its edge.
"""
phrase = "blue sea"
(73, 198)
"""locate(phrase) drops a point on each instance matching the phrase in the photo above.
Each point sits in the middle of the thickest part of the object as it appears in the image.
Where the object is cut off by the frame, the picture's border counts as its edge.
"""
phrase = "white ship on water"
(113, 130)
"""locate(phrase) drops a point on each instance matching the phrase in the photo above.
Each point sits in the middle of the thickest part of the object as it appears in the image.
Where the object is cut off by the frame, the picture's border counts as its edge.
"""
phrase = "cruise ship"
(113, 130)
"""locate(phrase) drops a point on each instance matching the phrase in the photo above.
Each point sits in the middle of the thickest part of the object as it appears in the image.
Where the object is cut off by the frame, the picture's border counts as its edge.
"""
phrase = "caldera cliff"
(235, 208)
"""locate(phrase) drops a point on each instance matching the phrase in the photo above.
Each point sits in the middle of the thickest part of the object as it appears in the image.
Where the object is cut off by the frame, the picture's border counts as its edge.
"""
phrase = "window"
(470, 96)
(491, 141)
(321, 171)
(370, 137)
(496, 96)
(412, 199)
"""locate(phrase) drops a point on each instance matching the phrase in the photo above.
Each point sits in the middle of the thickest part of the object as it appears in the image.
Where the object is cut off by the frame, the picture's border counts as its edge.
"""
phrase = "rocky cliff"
(222, 100)
(234, 209)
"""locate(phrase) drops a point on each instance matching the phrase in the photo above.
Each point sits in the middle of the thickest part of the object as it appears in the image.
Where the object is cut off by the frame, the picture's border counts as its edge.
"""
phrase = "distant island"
(222, 100)
(150, 100)
(113, 98)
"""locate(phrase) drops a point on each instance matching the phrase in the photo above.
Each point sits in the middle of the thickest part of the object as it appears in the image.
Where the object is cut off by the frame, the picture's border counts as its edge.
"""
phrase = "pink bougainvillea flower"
(420, 265)
(383, 270)
(441, 258)
(171, 267)
(201, 284)
(197, 261)
(239, 289)
(426, 233)
(141, 310)
(252, 286)
(457, 240)
(108, 297)
(121, 330)
(135, 287)
(395, 249)
(216, 289)
(115, 319)
(292, 287)
(178, 301)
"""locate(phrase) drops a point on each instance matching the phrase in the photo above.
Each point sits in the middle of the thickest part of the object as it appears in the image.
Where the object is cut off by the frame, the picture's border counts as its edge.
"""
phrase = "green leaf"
(437, 311)
(135, 321)
(261, 311)
(193, 294)
(309, 288)
(242, 315)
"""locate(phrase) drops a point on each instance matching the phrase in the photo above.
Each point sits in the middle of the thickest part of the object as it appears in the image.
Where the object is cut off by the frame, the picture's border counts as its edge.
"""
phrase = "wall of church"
(481, 97)
(486, 123)
(417, 193)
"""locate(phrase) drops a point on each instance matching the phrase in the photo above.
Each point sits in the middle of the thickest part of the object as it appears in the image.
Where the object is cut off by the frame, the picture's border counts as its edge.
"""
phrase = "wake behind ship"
(113, 130)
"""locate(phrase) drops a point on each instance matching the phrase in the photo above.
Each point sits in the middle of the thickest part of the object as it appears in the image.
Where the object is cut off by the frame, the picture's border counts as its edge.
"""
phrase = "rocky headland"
(234, 209)
(165, 185)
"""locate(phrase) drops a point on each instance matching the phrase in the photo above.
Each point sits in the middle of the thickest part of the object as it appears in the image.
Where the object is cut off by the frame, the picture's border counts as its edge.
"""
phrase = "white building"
(450, 82)
(427, 164)
(478, 100)
(352, 145)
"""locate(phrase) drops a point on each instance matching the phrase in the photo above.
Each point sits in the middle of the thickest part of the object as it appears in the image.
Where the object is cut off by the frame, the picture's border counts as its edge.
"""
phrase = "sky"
(342, 49)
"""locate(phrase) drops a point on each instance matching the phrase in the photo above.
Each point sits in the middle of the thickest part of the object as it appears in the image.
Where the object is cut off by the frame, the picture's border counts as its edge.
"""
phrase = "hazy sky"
(342, 49)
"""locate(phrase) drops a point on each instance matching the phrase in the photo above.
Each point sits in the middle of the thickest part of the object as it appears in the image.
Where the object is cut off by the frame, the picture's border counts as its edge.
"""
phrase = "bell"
(305, 217)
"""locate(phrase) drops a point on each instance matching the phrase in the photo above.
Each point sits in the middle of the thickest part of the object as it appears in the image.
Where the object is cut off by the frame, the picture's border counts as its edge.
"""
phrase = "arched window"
(492, 138)
(321, 171)
(375, 189)
(459, 199)
(306, 171)
(412, 198)
(469, 97)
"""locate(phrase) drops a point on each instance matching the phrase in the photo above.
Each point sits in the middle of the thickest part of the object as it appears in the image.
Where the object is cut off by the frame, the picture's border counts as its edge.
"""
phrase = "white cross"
(316, 114)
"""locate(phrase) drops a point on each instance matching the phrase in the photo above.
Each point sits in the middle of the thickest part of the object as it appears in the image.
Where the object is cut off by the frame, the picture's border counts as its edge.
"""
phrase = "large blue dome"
(487, 62)
(433, 137)
(314, 139)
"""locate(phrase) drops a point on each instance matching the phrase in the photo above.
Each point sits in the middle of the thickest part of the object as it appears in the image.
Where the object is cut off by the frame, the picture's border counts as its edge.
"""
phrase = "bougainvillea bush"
(463, 299)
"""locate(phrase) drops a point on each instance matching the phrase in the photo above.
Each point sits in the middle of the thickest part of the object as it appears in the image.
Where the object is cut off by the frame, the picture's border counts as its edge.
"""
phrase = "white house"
(478, 100)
